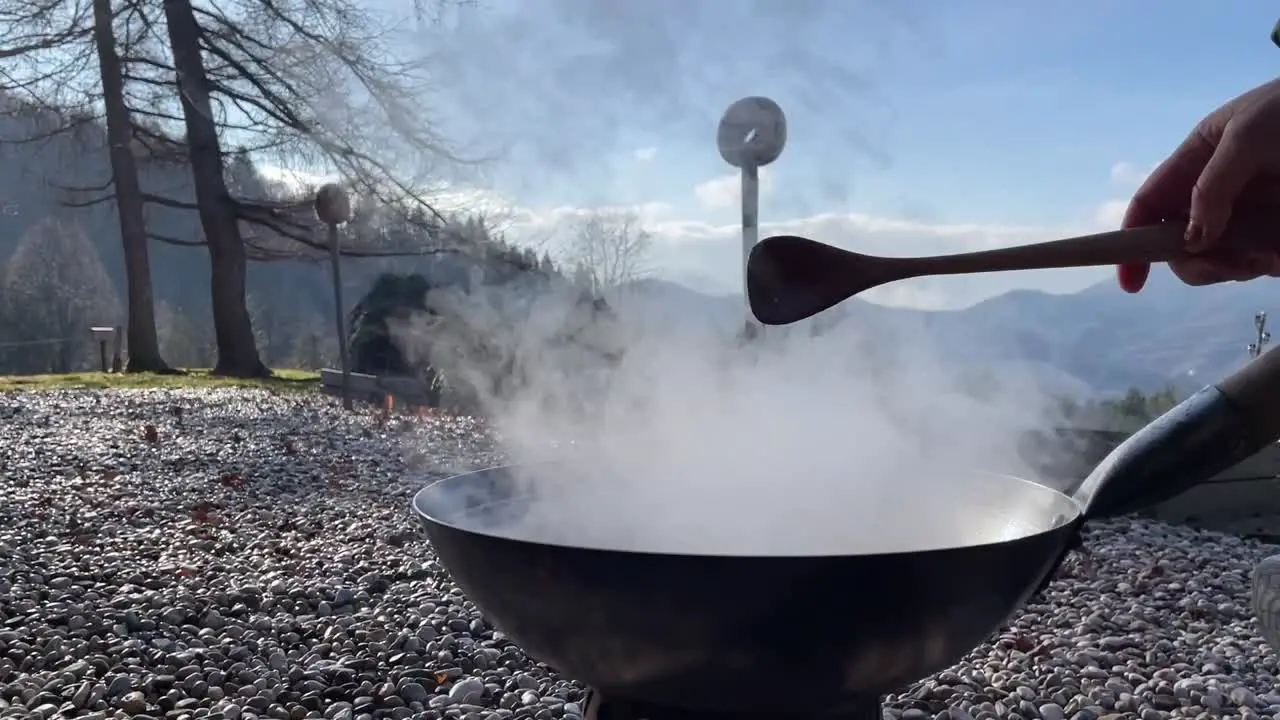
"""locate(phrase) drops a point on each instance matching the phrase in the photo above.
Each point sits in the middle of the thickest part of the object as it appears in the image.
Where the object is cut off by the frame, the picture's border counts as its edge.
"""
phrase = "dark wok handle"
(1255, 390)
(1209, 432)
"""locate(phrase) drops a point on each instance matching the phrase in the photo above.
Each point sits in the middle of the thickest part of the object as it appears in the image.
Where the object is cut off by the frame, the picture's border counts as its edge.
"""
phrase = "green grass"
(296, 380)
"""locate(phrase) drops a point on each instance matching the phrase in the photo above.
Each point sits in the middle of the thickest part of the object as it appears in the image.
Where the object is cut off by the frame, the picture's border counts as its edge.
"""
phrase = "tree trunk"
(237, 353)
(144, 347)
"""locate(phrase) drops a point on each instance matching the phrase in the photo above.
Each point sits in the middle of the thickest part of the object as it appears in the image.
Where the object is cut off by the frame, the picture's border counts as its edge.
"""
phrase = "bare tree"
(237, 352)
(301, 80)
(310, 83)
(608, 249)
(50, 46)
(309, 78)
(32, 26)
(297, 92)
(318, 82)
(144, 345)
(56, 301)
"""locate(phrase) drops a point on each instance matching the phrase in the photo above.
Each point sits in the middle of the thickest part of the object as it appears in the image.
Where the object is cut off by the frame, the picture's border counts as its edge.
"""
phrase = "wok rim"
(423, 516)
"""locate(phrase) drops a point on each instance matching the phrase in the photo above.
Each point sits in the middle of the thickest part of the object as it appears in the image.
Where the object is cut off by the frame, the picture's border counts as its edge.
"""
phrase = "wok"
(700, 629)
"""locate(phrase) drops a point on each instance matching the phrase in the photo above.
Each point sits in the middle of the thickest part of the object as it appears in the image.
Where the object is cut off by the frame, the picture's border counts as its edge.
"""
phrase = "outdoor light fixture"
(752, 134)
(333, 207)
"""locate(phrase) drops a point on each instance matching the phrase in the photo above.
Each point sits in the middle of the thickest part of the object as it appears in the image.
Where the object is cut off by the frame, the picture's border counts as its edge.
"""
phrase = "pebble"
(254, 559)
(1151, 622)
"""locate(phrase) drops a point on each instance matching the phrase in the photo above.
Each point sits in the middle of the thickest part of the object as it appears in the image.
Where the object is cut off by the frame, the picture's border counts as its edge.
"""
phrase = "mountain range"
(1099, 340)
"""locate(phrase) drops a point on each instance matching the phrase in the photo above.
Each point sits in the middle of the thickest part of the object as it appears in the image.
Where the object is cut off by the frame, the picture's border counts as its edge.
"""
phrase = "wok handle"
(1209, 432)
(1255, 391)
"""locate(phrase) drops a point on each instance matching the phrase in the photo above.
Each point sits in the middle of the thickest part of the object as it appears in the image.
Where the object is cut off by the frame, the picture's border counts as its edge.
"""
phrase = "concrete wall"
(1243, 500)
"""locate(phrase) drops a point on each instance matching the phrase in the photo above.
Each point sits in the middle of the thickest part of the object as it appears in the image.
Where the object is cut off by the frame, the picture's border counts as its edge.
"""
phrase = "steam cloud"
(835, 444)
(562, 83)
(694, 443)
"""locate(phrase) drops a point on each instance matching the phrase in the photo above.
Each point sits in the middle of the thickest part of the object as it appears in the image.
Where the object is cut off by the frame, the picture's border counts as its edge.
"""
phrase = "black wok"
(649, 623)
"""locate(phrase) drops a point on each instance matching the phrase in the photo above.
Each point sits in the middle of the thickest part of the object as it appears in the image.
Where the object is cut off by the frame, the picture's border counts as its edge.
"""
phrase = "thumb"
(1224, 177)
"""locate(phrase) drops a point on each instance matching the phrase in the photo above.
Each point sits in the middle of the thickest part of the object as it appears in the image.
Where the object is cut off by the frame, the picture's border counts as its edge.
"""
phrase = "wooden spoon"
(790, 278)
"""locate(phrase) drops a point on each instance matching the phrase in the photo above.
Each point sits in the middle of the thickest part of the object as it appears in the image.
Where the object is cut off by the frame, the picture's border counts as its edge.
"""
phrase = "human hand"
(1229, 163)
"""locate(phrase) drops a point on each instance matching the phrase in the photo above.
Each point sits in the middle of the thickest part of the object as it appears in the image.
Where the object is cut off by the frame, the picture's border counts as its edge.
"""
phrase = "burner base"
(597, 708)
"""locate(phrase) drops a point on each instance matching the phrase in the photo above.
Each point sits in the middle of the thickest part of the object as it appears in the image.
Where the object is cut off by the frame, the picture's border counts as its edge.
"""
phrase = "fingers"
(1163, 196)
(1216, 172)
(1225, 175)
(1202, 271)
(1166, 193)
(1225, 267)
(1132, 278)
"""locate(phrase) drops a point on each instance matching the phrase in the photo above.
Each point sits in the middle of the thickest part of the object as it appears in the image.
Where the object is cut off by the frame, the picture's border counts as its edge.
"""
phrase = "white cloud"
(706, 255)
(1127, 174)
(293, 179)
(712, 252)
(645, 154)
(1110, 214)
(726, 191)
(445, 199)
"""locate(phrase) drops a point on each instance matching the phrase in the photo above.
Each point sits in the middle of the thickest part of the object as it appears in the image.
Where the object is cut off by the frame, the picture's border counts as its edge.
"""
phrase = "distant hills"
(1099, 340)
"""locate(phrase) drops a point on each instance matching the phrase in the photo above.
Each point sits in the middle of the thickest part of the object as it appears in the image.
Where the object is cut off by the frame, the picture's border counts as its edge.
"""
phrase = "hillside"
(1100, 338)
(1167, 333)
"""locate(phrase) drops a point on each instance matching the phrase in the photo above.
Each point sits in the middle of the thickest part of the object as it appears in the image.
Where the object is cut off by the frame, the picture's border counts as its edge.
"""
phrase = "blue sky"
(1025, 107)
(916, 126)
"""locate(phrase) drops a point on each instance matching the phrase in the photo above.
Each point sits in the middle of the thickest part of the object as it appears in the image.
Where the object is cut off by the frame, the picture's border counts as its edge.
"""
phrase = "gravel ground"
(239, 554)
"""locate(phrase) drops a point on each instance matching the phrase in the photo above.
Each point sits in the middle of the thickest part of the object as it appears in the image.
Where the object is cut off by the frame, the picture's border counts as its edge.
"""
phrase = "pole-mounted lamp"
(333, 207)
(752, 134)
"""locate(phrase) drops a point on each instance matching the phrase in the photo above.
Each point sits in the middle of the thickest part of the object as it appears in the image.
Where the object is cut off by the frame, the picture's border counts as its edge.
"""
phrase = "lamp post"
(1263, 337)
(752, 134)
(333, 207)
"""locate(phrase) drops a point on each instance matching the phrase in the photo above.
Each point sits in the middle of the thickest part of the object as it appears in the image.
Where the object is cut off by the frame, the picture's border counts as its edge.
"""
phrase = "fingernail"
(1194, 236)
(1131, 277)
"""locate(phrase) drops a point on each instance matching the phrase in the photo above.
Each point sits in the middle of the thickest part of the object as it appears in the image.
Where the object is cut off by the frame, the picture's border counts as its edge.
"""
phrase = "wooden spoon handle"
(790, 278)
(1149, 244)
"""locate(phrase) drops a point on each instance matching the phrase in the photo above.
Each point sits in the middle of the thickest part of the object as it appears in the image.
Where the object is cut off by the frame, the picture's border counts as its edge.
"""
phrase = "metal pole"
(117, 339)
(750, 226)
(340, 320)
(333, 207)
(752, 133)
